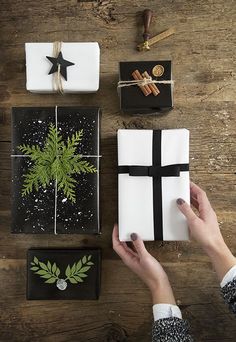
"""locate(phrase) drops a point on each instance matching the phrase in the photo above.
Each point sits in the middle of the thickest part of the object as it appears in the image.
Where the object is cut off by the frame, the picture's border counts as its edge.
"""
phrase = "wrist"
(162, 292)
(158, 283)
(216, 247)
(221, 258)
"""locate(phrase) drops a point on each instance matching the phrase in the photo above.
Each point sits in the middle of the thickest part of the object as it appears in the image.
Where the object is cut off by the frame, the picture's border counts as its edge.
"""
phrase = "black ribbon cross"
(156, 171)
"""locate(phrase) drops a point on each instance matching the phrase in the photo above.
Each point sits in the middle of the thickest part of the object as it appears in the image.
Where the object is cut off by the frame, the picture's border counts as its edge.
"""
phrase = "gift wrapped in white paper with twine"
(62, 67)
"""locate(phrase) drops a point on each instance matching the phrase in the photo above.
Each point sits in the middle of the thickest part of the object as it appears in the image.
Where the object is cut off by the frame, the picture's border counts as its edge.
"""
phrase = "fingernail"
(134, 236)
(180, 201)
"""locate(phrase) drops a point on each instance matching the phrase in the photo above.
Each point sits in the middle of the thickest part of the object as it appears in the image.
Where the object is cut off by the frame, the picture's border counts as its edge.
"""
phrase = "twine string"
(142, 83)
(57, 78)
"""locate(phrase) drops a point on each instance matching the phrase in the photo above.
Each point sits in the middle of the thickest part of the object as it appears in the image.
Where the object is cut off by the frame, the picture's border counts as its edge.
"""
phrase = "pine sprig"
(77, 272)
(56, 161)
(48, 271)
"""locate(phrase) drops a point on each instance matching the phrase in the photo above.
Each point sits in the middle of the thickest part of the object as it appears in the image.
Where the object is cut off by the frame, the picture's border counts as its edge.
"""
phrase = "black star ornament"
(59, 60)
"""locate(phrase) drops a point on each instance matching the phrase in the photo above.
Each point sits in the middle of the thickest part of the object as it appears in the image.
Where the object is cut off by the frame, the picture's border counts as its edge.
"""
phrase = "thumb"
(138, 244)
(186, 210)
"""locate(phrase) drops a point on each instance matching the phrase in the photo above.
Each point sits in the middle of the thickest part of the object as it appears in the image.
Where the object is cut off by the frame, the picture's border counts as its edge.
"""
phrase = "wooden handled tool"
(147, 18)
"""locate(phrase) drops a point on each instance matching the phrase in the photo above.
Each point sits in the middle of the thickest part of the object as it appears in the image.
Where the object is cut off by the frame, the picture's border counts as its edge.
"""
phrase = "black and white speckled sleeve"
(171, 329)
(229, 294)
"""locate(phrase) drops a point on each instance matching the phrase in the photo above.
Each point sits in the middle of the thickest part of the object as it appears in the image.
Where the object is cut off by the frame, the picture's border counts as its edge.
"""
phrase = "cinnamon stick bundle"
(152, 86)
(145, 88)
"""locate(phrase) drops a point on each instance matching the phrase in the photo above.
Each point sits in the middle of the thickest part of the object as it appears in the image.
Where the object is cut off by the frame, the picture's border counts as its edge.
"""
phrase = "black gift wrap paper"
(133, 101)
(88, 289)
(35, 212)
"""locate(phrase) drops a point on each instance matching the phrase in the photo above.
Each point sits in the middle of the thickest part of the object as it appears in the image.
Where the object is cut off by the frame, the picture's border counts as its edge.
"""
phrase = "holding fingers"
(145, 266)
(203, 226)
(204, 229)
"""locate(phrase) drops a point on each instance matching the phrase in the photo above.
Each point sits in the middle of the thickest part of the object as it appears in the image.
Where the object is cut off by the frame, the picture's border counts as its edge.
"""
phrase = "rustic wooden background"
(203, 55)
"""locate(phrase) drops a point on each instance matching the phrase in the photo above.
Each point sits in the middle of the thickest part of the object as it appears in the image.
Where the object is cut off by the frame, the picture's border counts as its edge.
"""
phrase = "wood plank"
(203, 57)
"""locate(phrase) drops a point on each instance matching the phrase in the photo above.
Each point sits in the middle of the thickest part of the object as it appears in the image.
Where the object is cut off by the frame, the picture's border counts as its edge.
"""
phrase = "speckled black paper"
(132, 99)
(35, 213)
(89, 289)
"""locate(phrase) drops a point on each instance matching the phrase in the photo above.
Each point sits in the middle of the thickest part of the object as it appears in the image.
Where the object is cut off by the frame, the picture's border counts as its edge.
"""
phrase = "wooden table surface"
(203, 55)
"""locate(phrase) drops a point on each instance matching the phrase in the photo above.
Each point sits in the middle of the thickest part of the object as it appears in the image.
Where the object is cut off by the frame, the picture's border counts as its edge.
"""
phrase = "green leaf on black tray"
(46, 270)
(73, 281)
(78, 271)
(84, 269)
(79, 265)
(73, 269)
(50, 280)
(41, 272)
(67, 273)
(75, 274)
(43, 266)
(83, 275)
(54, 267)
(84, 259)
(49, 265)
(34, 268)
(47, 275)
(79, 280)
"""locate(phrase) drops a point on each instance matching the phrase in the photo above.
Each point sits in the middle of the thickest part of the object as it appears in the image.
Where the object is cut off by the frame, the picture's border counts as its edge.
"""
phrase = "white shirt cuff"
(166, 311)
(230, 275)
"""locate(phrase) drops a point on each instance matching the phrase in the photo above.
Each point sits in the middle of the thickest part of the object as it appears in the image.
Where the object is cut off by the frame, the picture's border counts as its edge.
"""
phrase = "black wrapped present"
(158, 75)
(63, 273)
(55, 170)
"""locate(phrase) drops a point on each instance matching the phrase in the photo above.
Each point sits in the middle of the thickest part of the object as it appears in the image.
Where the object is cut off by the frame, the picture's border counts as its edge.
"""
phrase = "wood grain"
(203, 55)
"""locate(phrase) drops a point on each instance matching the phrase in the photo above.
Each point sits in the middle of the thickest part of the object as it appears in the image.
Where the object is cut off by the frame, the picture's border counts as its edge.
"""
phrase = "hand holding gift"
(204, 229)
(145, 266)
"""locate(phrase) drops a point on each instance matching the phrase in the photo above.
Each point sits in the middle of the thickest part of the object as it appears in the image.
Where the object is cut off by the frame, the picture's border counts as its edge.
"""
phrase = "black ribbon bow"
(157, 172)
(154, 171)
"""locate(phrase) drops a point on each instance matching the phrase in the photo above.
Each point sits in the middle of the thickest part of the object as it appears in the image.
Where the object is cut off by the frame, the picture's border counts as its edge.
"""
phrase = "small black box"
(133, 101)
(63, 273)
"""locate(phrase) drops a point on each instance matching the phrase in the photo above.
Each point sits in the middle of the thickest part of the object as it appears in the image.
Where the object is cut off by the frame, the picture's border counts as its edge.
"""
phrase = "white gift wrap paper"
(135, 147)
(83, 77)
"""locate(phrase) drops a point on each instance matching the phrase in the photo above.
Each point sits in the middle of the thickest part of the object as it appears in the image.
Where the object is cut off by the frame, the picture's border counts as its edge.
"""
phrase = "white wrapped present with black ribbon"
(153, 172)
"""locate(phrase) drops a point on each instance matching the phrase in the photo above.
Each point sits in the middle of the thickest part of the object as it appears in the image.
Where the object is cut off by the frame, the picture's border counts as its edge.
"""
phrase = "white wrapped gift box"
(153, 172)
(82, 77)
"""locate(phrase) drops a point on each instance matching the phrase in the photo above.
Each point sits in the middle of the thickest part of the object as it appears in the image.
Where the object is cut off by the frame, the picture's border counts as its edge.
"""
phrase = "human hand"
(203, 226)
(204, 229)
(145, 266)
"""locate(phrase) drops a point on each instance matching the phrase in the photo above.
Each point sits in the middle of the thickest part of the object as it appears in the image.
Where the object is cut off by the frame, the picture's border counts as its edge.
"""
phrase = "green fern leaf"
(57, 161)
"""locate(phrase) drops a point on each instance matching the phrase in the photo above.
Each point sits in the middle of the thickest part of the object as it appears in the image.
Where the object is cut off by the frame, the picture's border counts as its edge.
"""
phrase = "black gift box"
(49, 210)
(133, 101)
(63, 273)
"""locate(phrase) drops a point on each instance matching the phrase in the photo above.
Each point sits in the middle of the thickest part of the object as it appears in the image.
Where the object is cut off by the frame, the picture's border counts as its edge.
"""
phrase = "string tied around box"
(142, 83)
(57, 78)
